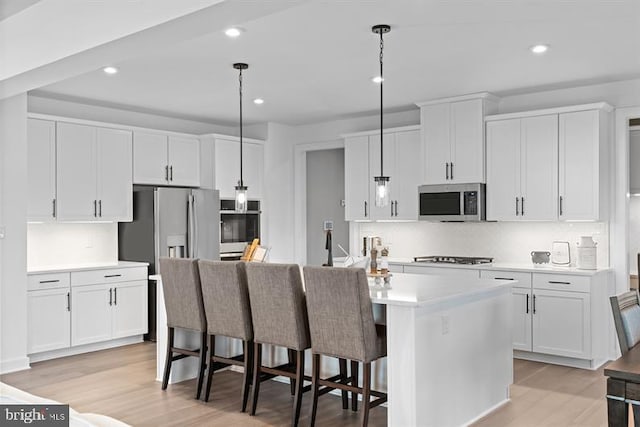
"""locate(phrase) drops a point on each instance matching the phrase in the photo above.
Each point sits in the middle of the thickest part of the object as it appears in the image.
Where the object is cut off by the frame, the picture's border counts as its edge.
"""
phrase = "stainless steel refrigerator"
(170, 222)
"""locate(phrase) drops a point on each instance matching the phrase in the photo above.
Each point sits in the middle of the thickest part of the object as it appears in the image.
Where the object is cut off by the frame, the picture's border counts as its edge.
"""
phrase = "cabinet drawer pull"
(112, 275)
(522, 207)
(534, 304)
(110, 296)
(396, 208)
(53, 213)
(391, 207)
(365, 208)
(166, 173)
(170, 173)
(560, 205)
(68, 301)
(100, 208)
(559, 283)
(50, 281)
(527, 304)
(446, 167)
(451, 170)
(517, 206)
(95, 208)
(503, 278)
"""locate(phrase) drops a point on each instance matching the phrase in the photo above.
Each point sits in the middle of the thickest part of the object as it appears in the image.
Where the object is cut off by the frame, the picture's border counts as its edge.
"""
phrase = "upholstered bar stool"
(279, 315)
(342, 325)
(184, 306)
(226, 305)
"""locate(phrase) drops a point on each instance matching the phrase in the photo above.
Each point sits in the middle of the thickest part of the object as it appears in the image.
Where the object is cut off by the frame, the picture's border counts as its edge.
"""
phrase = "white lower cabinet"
(442, 271)
(48, 317)
(83, 307)
(559, 314)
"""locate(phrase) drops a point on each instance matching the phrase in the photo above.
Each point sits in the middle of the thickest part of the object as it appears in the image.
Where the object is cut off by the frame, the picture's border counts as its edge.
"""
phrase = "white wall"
(60, 245)
(13, 248)
(277, 218)
(506, 242)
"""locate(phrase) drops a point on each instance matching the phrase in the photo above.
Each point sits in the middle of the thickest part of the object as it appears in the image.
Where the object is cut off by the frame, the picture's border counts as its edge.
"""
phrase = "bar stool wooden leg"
(292, 358)
(366, 392)
(203, 363)
(299, 386)
(210, 369)
(315, 386)
(168, 359)
(248, 362)
(354, 382)
(257, 362)
(344, 379)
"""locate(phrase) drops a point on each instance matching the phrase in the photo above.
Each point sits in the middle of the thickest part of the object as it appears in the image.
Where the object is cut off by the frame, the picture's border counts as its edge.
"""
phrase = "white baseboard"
(72, 351)
(13, 365)
(488, 411)
(559, 360)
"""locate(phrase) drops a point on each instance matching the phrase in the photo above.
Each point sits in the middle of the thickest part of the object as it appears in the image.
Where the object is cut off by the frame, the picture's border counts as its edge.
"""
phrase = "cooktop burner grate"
(454, 259)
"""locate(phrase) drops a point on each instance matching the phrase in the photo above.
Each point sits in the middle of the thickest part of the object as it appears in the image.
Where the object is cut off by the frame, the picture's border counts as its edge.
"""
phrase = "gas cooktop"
(454, 259)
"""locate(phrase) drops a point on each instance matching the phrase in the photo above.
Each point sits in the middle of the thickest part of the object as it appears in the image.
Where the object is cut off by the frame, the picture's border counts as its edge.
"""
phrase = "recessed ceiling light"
(258, 101)
(377, 79)
(539, 48)
(110, 70)
(233, 32)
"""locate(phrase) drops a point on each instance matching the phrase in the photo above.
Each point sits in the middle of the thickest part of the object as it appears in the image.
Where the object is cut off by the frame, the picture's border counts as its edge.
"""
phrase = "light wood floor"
(120, 383)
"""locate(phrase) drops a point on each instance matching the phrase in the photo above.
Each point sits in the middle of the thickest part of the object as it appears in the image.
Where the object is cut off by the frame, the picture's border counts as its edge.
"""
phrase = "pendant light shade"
(241, 189)
(382, 182)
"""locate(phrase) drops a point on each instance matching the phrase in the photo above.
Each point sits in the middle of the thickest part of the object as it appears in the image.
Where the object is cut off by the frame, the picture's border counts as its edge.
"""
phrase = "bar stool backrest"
(278, 307)
(340, 313)
(626, 316)
(226, 298)
(182, 293)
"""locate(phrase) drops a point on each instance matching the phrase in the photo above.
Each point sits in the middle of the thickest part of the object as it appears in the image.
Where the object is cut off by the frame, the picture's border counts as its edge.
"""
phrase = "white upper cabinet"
(583, 165)
(184, 161)
(408, 173)
(76, 172)
(402, 164)
(549, 164)
(453, 138)
(160, 159)
(150, 164)
(227, 166)
(93, 173)
(41, 155)
(356, 178)
(522, 169)
(114, 168)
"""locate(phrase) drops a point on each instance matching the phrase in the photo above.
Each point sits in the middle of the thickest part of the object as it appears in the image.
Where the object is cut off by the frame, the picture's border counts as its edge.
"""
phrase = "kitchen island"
(449, 351)
(449, 347)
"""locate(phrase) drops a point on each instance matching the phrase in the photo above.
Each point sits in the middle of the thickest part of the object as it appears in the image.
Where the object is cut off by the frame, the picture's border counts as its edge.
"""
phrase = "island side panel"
(449, 363)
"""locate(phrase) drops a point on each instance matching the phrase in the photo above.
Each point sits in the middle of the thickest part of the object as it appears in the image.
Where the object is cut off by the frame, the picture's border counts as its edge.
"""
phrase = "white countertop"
(84, 267)
(530, 267)
(417, 290)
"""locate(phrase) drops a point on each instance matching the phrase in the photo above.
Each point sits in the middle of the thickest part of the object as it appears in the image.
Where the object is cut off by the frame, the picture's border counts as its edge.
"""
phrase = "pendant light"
(241, 189)
(382, 182)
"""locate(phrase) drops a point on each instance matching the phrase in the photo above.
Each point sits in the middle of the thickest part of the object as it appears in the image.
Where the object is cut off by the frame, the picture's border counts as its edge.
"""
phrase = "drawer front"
(523, 279)
(112, 275)
(396, 268)
(47, 281)
(561, 282)
(442, 271)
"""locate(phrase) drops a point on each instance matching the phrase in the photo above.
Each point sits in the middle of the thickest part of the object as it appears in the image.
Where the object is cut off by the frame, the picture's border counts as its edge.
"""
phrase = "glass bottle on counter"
(374, 262)
(384, 260)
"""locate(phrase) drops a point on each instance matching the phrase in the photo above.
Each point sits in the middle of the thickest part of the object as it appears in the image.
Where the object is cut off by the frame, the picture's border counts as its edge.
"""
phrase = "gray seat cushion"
(631, 324)
(226, 299)
(278, 308)
(341, 314)
(182, 293)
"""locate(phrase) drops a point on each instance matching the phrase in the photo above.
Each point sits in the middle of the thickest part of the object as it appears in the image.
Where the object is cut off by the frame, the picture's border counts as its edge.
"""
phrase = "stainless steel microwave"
(452, 202)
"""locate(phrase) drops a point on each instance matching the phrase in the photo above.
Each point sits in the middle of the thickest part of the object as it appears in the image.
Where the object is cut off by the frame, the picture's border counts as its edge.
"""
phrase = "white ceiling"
(314, 61)
(11, 7)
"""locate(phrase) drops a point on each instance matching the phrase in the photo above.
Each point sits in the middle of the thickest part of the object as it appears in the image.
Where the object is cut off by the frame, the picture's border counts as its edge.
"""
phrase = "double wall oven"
(237, 229)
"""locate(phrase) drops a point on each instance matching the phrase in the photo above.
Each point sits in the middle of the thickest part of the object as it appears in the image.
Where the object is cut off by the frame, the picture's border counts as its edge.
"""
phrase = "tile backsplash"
(506, 242)
(71, 244)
